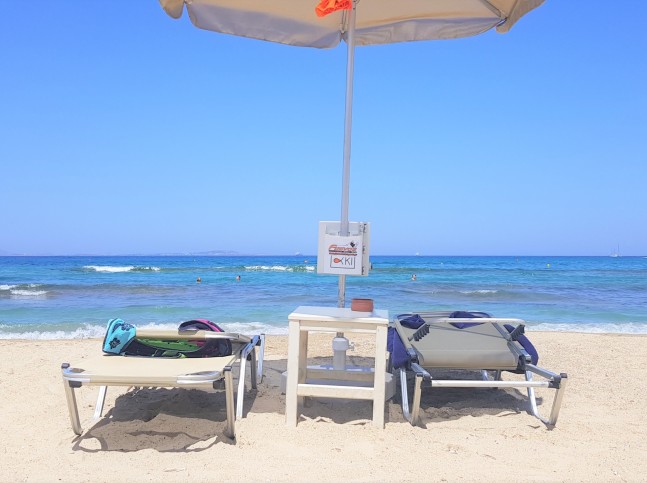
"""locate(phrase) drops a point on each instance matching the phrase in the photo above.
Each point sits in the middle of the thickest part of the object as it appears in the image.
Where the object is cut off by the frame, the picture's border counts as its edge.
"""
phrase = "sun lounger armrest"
(246, 353)
(249, 347)
(420, 372)
(555, 379)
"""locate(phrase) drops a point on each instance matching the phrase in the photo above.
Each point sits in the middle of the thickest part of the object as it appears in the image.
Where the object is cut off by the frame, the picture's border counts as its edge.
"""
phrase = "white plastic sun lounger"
(488, 347)
(205, 372)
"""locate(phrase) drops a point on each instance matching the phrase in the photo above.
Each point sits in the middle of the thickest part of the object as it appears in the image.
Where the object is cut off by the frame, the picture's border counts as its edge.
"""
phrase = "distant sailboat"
(617, 253)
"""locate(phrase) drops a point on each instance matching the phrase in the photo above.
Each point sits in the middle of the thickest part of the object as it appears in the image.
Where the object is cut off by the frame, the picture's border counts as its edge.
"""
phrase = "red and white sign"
(342, 255)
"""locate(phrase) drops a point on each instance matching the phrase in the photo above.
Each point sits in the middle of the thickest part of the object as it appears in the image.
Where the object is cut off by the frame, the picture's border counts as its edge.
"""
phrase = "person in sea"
(198, 280)
(413, 277)
(237, 277)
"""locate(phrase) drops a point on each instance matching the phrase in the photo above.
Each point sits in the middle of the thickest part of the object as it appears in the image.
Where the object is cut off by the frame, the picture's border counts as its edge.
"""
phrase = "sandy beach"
(467, 435)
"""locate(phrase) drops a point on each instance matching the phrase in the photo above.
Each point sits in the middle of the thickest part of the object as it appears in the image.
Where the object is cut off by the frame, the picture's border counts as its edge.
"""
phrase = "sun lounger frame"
(490, 378)
(216, 378)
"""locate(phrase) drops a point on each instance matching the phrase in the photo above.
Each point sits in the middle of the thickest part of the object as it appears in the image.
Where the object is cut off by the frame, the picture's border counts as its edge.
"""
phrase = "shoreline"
(466, 434)
(97, 332)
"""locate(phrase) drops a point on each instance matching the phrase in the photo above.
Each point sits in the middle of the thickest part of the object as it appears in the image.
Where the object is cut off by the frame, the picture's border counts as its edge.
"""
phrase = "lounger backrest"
(453, 340)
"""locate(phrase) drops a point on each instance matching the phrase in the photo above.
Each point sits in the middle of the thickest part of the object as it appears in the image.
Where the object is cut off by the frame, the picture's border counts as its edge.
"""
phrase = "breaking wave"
(22, 290)
(95, 331)
(280, 268)
(119, 269)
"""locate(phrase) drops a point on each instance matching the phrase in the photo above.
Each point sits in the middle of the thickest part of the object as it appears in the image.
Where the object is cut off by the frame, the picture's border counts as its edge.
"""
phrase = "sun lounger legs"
(71, 382)
(554, 381)
(229, 395)
(207, 372)
(101, 399)
(256, 369)
(70, 396)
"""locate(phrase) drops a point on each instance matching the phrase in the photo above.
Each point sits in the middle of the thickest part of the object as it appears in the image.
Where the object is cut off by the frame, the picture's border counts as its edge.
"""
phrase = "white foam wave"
(23, 290)
(88, 331)
(481, 292)
(100, 268)
(85, 332)
(274, 268)
(28, 293)
(251, 328)
(279, 268)
(119, 269)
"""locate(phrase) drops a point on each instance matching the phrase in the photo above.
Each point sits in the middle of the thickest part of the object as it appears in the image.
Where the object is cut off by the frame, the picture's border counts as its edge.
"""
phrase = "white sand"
(469, 435)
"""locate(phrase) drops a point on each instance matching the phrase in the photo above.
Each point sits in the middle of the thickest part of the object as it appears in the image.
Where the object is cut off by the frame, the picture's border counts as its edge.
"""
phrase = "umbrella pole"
(348, 122)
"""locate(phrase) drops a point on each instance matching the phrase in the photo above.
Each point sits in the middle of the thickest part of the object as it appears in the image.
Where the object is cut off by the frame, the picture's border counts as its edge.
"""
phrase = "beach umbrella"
(325, 23)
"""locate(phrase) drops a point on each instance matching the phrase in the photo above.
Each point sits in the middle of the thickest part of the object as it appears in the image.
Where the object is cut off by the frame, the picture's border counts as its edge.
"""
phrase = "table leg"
(379, 390)
(303, 363)
(294, 356)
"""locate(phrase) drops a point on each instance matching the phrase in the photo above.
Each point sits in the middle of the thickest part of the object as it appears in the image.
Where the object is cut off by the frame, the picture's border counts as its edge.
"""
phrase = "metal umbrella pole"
(341, 343)
(348, 123)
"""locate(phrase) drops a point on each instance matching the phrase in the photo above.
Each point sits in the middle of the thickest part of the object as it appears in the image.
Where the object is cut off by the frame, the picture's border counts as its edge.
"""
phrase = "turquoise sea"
(74, 297)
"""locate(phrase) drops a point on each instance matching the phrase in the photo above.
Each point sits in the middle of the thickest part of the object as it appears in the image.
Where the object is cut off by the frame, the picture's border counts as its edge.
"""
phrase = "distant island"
(210, 253)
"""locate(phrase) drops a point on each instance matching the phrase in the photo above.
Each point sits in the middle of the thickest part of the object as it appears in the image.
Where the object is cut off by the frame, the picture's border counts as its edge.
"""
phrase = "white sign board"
(343, 255)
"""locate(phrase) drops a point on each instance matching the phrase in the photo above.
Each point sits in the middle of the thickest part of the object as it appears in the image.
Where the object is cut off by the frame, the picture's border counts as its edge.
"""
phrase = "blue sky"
(124, 131)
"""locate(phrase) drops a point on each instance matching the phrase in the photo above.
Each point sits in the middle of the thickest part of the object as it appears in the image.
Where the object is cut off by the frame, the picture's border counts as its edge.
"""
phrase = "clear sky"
(124, 131)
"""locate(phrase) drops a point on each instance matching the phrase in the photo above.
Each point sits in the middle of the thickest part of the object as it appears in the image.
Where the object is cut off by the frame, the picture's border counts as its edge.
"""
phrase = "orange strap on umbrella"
(329, 6)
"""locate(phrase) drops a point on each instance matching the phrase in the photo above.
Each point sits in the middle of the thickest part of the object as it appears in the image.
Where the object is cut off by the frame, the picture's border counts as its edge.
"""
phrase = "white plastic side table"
(306, 319)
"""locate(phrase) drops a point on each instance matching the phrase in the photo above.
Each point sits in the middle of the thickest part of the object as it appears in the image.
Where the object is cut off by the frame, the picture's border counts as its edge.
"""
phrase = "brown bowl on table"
(362, 305)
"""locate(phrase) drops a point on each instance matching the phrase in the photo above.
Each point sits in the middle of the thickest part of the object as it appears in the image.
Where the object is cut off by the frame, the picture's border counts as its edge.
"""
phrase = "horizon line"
(235, 254)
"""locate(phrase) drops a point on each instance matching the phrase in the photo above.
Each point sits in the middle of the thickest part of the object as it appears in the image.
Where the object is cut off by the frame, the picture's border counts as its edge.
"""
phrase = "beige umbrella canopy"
(295, 22)
(357, 22)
